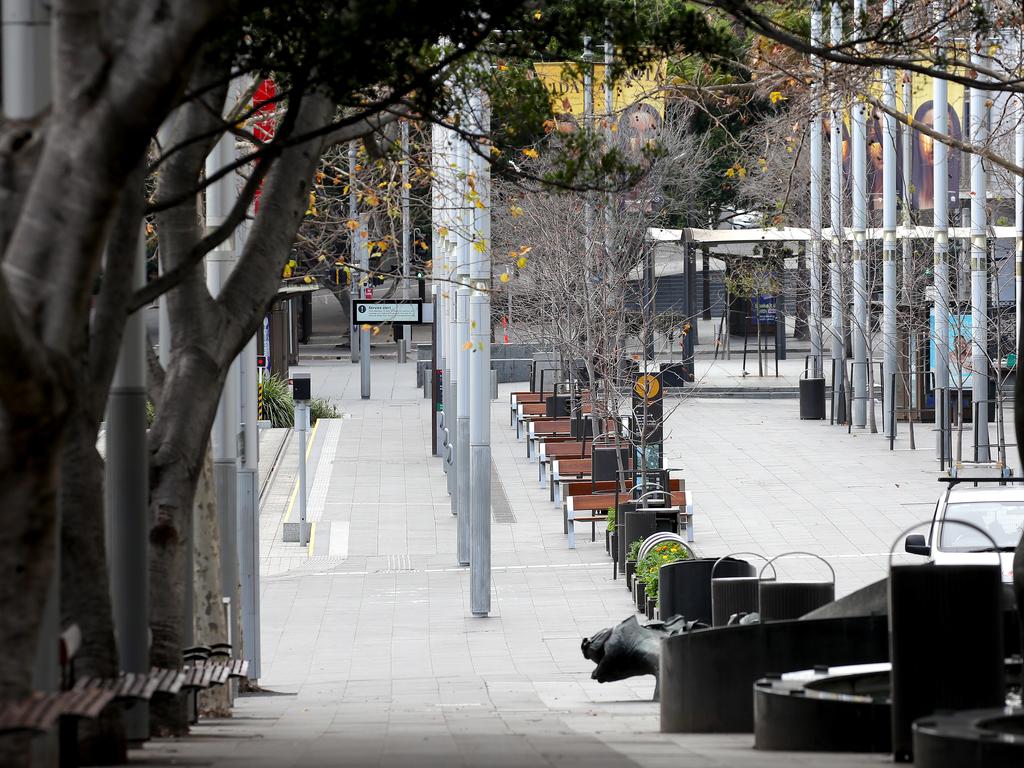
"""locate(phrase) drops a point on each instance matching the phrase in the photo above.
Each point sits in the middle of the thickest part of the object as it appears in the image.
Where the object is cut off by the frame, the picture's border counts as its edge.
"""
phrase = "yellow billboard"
(564, 83)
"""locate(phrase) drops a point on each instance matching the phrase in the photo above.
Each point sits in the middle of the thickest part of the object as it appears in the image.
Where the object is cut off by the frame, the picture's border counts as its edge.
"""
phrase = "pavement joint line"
(295, 488)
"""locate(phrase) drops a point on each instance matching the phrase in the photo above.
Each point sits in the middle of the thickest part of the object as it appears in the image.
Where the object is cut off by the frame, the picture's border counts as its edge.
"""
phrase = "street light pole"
(403, 344)
(815, 205)
(859, 194)
(480, 400)
(220, 196)
(353, 276)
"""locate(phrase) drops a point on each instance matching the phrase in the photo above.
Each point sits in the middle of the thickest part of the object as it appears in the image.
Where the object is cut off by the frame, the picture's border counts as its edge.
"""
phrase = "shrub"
(321, 408)
(660, 554)
(279, 407)
(634, 550)
(611, 518)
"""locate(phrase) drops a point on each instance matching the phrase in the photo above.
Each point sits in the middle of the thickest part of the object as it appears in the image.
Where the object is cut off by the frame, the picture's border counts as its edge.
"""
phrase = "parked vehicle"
(996, 509)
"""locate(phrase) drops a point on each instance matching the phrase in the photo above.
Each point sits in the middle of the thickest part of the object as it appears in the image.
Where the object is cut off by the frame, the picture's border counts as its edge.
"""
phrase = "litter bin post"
(301, 395)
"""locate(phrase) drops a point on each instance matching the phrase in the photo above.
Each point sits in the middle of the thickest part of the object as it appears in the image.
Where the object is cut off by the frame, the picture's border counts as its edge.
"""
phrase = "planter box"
(630, 573)
(651, 603)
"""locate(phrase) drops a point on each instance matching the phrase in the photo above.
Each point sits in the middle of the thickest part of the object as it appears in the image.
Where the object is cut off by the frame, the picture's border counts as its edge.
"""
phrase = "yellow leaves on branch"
(521, 262)
(531, 153)
(467, 346)
(311, 209)
(351, 225)
(504, 277)
(735, 170)
(776, 97)
(516, 211)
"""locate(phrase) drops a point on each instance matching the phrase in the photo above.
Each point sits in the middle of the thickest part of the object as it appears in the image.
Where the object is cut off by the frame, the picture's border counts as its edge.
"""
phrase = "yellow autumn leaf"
(521, 262)
(365, 326)
(292, 263)
(352, 225)
(537, 15)
(479, 246)
(504, 277)
(525, 250)
(442, 231)
(320, 177)
(531, 152)
(730, 172)
(307, 279)
(376, 330)
(468, 345)
(495, 151)
(776, 97)
(516, 211)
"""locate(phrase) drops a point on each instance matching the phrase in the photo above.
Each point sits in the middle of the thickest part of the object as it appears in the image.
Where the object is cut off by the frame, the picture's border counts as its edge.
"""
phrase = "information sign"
(404, 312)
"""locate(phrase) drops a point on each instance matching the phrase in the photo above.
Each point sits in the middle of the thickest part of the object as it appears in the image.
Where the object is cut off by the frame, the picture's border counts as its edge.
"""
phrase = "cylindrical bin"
(783, 600)
(557, 406)
(620, 531)
(812, 398)
(945, 643)
(604, 465)
(635, 525)
(684, 587)
(733, 594)
(581, 427)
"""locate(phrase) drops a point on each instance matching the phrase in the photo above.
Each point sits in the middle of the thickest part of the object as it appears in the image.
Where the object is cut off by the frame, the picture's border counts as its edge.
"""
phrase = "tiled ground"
(371, 656)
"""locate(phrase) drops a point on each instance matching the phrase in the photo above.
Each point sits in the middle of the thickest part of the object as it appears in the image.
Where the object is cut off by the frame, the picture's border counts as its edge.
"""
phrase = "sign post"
(648, 419)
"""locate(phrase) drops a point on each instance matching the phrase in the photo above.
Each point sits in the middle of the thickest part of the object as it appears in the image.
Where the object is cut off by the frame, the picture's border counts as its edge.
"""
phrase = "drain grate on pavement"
(501, 510)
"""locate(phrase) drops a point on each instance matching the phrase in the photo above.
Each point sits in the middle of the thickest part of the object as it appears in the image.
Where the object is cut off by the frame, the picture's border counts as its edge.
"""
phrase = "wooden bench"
(515, 398)
(539, 429)
(561, 449)
(594, 508)
(565, 471)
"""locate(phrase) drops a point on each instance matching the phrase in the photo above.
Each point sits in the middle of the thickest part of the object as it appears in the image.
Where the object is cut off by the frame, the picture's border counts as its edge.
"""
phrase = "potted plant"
(609, 531)
(659, 555)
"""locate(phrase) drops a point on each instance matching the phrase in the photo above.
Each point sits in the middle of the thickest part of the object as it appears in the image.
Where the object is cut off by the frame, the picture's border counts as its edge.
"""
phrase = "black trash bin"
(812, 398)
(605, 463)
(684, 586)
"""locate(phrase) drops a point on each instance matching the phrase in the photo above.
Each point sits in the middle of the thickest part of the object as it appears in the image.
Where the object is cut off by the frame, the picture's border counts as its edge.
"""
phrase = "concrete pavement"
(371, 656)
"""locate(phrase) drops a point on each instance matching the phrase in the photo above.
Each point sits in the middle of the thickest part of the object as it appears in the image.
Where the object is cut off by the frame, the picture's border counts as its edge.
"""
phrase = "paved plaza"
(371, 656)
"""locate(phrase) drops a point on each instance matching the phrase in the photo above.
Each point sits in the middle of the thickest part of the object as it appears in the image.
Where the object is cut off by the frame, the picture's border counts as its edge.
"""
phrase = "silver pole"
(462, 453)
(449, 243)
(248, 495)
(815, 188)
(437, 222)
(354, 278)
(302, 427)
(220, 262)
(940, 224)
(248, 510)
(462, 427)
(1018, 187)
(127, 492)
(364, 331)
(480, 403)
(979, 257)
(859, 194)
(588, 125)
(609, 114)
(403, 345)
(836, 211)
(889, 338)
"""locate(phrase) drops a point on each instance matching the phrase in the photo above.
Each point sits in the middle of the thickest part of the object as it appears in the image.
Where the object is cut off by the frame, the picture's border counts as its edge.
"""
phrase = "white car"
(996, 509)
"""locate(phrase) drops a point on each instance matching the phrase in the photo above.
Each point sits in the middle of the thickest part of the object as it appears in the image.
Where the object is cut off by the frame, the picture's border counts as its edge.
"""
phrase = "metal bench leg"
(551, 486)
(540, 470)
(571, 530)
(593, 531)
(565, 519)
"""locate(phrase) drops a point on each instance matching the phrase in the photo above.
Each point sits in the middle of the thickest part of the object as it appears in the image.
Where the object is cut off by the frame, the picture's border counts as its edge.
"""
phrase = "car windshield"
(1002, 520)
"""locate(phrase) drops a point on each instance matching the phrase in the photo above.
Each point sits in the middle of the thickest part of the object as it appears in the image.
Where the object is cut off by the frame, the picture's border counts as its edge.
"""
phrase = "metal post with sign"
(648, 421)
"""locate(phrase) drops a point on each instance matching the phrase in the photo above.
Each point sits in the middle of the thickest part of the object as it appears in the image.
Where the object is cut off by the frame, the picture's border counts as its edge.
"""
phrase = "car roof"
(964, 493)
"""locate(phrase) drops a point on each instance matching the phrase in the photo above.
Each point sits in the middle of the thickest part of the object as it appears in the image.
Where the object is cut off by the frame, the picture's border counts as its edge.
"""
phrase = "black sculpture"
(630, 648)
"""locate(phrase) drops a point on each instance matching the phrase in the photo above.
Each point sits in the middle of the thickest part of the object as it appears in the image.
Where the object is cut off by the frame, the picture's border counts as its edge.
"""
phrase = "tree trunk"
(178, 442)
(209, 610)
(30, 446)
(85, 586)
